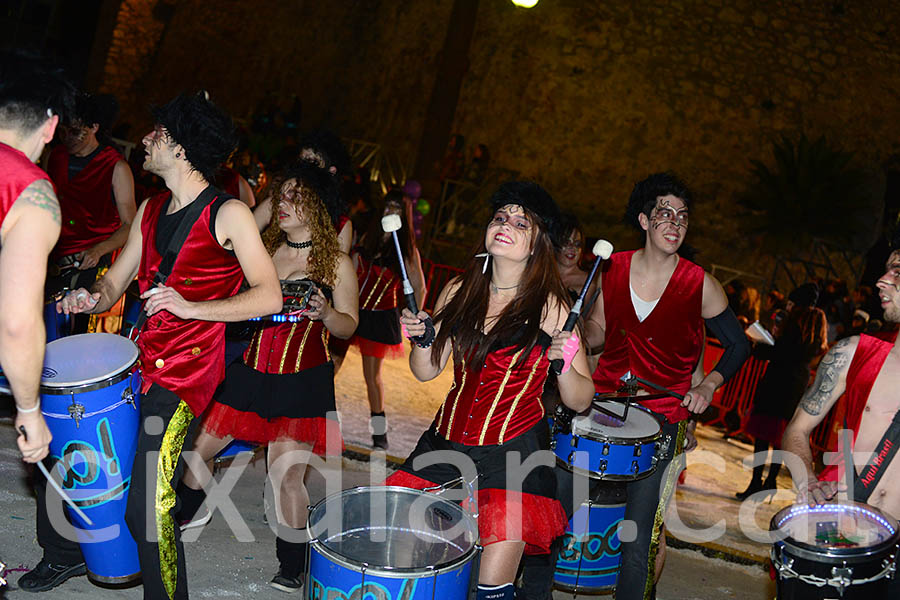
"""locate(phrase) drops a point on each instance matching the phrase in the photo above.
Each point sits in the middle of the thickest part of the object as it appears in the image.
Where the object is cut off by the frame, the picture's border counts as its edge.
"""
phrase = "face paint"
(892, 276)
(664, 213)
(512, 215)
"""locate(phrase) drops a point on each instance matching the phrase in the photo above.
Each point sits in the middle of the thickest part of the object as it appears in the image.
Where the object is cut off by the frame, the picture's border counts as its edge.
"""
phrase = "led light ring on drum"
(841, 576)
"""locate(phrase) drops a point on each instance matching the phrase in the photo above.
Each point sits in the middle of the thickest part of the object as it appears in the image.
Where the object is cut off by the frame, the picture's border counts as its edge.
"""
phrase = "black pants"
(57, 549)
(646, 506)
(167, 427)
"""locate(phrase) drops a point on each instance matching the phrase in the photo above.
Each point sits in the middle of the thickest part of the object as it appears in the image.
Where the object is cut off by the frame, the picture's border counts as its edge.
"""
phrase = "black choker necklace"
(299, 245)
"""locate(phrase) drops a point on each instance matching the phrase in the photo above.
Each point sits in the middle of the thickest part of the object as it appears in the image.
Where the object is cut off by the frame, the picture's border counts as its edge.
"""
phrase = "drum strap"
(192, 213)
(866, 482)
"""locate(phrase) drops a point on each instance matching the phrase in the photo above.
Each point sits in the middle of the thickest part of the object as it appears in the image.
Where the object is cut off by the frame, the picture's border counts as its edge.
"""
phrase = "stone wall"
(585, 97)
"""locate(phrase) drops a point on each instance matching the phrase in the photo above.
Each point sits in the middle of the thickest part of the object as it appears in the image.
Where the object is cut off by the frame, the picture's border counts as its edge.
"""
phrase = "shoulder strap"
(192, 213)
(866, 482)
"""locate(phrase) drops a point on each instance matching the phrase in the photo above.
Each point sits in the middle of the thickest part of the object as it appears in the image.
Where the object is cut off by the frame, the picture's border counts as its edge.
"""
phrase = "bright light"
(525, 3)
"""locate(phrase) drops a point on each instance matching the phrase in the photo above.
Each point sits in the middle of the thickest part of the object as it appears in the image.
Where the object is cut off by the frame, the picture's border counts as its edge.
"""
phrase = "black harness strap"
(192, 213)
(866, 482)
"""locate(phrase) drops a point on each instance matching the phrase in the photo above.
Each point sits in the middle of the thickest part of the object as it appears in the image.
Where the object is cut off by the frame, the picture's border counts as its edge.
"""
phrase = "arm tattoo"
(827, 376)
(40, 193)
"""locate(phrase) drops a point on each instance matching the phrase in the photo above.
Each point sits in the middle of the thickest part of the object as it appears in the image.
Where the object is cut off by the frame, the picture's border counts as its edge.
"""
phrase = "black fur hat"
(533, 197)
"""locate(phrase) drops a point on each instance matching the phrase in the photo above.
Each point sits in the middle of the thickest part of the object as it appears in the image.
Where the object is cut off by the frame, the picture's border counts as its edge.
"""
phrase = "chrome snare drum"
(604, 447)
(834, 551)
(391, 543)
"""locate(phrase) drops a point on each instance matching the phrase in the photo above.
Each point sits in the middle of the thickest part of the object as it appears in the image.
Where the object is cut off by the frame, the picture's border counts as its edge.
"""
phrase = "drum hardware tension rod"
(55, 485)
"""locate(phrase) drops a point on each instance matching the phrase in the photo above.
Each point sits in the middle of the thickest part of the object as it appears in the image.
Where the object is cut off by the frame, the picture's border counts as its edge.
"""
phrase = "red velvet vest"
(18, 173)
(186, 356)
(288, 347)
(871, 352)
(665, 347)
(89, 213)
(496, 403)
(377, 286)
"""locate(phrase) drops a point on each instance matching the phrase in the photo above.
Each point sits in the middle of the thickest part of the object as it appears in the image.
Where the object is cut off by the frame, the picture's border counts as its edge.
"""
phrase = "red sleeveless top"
(18, 173)
(378, 286)
(663, 348)
(89, 213)
(497, 402)
(871, 352)
(186, 357)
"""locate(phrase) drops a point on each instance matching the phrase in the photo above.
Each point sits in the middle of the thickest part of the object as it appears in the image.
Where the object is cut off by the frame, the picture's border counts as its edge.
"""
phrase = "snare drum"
(591, 551)
(391, 543)
(89, 398)
(834, 551)
(597, 448)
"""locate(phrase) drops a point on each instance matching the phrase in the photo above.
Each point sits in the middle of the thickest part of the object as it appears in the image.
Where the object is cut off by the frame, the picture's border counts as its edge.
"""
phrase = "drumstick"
(391, 224)
(55, 485)
(602, 250)
(629, 378)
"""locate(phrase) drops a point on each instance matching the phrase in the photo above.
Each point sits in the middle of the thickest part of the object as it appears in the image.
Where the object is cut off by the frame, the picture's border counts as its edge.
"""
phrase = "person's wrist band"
(28, 410)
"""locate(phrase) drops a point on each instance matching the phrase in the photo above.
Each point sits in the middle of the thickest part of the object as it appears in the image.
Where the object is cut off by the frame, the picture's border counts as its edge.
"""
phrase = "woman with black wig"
(282, 393)
(501, 321)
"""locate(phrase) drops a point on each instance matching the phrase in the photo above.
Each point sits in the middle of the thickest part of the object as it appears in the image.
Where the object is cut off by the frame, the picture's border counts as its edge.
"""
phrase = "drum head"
(836, 529)
(393, 528)
(639, 423)
(86, 358)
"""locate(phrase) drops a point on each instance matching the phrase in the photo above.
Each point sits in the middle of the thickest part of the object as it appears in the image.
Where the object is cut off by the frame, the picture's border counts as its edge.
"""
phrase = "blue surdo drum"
(844, 550)
(603, 447)
(589, 558)
(391, 543)
(90, 392)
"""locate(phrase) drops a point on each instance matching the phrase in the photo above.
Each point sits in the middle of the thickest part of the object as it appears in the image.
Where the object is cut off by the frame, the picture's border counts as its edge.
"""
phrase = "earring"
(487, 257)
(178, 155)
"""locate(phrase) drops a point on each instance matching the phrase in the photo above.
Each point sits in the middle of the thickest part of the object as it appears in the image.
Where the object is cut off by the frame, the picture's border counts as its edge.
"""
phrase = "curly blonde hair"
(325, 251)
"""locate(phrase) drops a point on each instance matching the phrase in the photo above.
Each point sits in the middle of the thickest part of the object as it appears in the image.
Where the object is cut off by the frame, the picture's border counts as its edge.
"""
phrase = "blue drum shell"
(329, 580)
(615, 460)
(591, 551)
(94, 457)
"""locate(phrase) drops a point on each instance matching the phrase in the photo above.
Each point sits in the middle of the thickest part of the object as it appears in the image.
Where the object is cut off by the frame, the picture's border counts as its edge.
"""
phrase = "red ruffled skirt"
(504, 515)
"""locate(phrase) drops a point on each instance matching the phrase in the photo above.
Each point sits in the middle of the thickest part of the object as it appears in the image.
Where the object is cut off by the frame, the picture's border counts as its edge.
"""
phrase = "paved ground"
(221, 566)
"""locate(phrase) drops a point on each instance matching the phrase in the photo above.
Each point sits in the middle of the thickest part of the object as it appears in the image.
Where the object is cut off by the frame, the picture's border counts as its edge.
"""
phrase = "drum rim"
(387, 571)
(86, 386)
(816, 553)
(610, 438)
(113, 379)
(613, 477)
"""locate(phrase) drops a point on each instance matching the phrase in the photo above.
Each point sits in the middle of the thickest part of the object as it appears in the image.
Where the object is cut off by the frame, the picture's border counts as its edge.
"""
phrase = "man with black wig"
(182, 348)
(649, 320)
(96, 196)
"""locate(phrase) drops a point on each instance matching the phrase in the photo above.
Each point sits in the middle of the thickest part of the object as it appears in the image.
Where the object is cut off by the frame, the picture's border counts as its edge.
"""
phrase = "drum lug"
(128, 396)
(603, 466)
(605, 449)
(553, 443)
(841, 578)
(634, 467)
(574, 442)
(76, 411)
(637, 449)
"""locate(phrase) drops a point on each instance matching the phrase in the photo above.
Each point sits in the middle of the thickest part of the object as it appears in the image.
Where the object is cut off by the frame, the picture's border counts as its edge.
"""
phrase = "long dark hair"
(378, 248)
(463, 316)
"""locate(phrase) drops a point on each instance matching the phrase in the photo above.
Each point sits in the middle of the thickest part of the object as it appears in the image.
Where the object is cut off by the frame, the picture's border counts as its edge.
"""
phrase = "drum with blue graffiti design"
(89, 397)
(391, 543)
(589, 558)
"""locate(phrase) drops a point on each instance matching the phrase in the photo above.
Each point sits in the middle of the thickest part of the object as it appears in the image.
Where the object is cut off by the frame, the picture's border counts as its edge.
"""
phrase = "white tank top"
(642, 308)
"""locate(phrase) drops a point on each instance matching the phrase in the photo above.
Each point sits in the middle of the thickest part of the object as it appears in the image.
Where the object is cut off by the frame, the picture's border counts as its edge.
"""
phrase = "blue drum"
(604, 448)
(57, 324)
(231, 451)
(391, 543)
(90, 390)
(591, 551)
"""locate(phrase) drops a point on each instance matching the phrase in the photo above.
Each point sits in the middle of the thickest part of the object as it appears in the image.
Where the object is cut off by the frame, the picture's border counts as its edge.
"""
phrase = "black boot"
(191, 500)
(756, 481)
(378, 427)
(292, 559)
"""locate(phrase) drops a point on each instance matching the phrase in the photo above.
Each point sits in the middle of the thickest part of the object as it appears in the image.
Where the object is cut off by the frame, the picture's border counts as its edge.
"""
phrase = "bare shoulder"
(714, 299)
(448, 292)
(40, 194)
(555, 313)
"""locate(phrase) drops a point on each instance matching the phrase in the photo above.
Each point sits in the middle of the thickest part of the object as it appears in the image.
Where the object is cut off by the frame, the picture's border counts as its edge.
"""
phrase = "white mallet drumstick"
(391, 224)
(602, 250)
